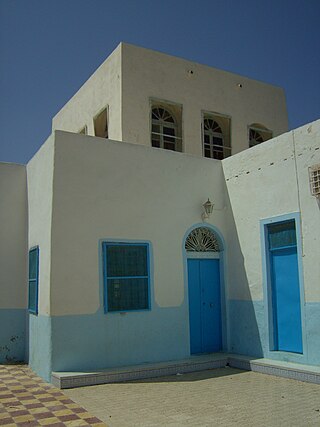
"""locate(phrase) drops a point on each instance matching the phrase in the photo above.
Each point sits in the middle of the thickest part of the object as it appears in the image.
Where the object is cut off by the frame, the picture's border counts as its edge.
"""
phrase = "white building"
(124, 267)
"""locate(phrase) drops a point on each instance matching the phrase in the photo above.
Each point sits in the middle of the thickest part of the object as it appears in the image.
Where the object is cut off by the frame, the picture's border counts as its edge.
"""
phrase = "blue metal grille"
(126, 277)
(127, 294)
(126, 260)
(282, 235)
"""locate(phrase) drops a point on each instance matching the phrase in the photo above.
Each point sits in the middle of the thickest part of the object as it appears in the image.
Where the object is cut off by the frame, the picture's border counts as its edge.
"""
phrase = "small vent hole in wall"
(314, 178)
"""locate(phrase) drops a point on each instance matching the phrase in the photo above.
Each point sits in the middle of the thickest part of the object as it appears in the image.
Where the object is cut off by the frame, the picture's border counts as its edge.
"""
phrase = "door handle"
(211, 304)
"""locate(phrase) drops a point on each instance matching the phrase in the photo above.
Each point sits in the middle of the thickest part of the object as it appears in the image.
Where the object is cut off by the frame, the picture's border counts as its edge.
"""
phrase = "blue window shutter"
(126, 276)
(33, 280)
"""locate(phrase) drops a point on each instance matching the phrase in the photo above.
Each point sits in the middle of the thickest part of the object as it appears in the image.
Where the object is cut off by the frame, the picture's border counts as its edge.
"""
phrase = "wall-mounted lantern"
(208, 209)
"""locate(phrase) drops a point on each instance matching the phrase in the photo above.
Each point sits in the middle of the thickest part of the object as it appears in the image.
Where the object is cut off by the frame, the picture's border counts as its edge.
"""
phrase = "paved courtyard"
(221, 397)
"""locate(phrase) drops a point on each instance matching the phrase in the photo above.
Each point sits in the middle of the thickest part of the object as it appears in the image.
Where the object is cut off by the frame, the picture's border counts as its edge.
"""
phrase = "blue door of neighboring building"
(204, 305)
(285, 288)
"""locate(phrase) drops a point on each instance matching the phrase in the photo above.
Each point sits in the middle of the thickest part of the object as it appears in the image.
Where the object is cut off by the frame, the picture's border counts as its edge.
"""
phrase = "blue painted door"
(286, 300)
(204, 305)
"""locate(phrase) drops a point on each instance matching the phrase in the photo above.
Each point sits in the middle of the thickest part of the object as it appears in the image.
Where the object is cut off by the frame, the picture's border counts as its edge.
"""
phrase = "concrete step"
(295, 371)
(137, 372)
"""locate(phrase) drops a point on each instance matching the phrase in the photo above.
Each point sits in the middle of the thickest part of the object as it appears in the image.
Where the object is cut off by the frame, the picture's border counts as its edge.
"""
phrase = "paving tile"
(27, 401)
(48, 421)
(221, 397)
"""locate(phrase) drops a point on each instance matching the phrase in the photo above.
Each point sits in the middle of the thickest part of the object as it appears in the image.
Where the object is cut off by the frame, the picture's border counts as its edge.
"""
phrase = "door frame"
(221, 255)
(271, 349)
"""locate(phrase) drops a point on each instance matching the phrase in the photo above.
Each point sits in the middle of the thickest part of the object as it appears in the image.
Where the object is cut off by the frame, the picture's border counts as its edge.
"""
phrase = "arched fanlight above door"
(202, 239)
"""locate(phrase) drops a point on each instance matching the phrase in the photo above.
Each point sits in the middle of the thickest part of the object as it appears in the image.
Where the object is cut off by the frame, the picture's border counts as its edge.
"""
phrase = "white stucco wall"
(267, 181)
(307, 148)
(40, 183)
(13, 236)
(148, 74)
(101, 90)
(132, 76)
(106, 190)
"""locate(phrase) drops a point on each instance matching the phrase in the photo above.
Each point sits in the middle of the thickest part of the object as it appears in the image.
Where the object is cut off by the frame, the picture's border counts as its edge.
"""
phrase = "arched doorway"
(203, 265)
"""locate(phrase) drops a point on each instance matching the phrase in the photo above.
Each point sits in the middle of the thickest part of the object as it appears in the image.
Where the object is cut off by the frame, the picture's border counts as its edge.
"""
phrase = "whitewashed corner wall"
(40, 204)
(105, 190)
(267, 181)
(147, 75)
(131, 76)
(13, 262)
(101, 90)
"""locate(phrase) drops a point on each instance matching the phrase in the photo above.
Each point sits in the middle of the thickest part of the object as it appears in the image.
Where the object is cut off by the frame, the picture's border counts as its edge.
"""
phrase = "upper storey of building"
(149, 98)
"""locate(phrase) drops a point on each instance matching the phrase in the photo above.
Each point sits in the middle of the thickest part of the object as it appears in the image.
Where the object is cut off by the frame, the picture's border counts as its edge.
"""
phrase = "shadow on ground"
(191, 376)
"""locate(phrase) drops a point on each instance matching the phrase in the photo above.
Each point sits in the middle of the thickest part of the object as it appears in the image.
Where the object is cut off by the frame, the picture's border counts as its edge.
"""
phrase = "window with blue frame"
(33, 280)
(126, 276)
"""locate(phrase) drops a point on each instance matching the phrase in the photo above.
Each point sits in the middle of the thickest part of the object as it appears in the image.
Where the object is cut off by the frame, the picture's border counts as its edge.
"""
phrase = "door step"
(296, 371)
(138, 372)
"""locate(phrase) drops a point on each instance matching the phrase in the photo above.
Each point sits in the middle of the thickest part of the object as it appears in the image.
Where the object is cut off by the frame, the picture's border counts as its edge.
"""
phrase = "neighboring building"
(123, 266)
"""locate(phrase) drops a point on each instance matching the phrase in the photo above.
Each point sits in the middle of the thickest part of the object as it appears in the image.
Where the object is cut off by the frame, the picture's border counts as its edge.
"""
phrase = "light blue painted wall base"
(246, 327)
(109, 340)
(249, 336)
(312, 311)
(310, 338)
(13, 335)
(97, 341)
(40, 345)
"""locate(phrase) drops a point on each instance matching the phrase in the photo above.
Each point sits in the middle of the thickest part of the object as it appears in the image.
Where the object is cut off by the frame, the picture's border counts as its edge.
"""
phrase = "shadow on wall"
(245, 316)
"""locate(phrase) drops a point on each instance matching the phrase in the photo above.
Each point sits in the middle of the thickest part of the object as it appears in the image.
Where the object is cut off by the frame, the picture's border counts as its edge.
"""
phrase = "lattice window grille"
(212, 126)
(213, 140)
(164, 131)
(202, 239)
(314, 177)
(162, 115)
(215, 144)
(255, 138)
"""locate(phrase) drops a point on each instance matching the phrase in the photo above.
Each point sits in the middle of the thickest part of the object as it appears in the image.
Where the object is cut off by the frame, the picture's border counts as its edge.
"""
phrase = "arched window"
(255, 137)
(166, 125)
(213, 139)
(216, 137)
(257, 134)
(101, 124)
(202, 239)
(163, 129)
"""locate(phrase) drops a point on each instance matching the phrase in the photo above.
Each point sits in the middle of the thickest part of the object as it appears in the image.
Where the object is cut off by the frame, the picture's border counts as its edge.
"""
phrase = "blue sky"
(49, 48)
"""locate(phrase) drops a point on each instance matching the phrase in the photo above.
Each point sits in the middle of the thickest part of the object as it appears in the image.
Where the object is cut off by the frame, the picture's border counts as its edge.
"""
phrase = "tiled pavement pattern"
(26, 400)
(221, 397)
